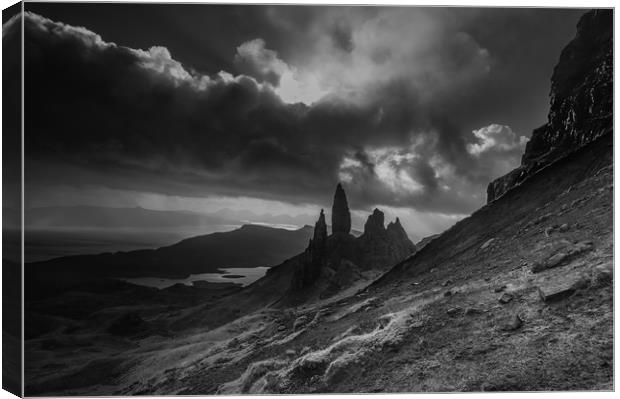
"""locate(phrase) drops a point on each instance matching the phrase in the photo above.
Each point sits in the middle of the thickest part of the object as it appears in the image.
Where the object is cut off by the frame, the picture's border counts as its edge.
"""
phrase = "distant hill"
(425, 241)
(109, 217)
(247, 246)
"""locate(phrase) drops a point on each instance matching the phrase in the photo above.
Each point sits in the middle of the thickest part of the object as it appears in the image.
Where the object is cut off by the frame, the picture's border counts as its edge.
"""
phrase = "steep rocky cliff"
(581, 108)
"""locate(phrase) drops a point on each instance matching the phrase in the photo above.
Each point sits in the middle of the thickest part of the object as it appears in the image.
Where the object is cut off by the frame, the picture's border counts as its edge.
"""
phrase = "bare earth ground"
(466, 313)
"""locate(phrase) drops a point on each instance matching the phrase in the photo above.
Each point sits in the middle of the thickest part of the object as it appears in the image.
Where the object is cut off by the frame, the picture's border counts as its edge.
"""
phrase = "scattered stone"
(472, 311)
(486, 244)
(563, 228)
(548, 231)
(514, 324)
(563, 256)
(556, 259)
(505, 298)
(454, 311)
(446, 283)
(299, 323)
(581, 247)
(416, 324)
(499, 288)
(434, 365)
(281, 327)
(290, 352)
(555, 290)
(603, 274)
(542, 218)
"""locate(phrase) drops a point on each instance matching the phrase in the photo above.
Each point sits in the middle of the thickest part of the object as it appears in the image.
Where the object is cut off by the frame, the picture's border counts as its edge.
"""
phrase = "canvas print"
(293, 199)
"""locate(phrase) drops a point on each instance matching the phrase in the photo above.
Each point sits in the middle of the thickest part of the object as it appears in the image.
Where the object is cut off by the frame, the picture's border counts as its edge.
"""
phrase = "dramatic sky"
(266, 108)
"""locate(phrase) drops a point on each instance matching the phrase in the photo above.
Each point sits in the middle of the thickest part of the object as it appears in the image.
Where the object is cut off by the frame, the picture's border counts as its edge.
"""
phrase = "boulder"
(505, 298)
(473, 311)
(558, 289)
(563, 256)
(499, 288)
(454, 311)
(514, 323)
(603, 274)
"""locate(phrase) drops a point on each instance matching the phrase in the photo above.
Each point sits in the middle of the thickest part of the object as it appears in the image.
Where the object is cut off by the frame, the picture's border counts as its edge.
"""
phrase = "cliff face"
(581, 108)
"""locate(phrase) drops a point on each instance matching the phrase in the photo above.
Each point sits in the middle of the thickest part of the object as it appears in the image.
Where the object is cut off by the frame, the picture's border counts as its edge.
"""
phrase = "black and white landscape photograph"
(299, 199)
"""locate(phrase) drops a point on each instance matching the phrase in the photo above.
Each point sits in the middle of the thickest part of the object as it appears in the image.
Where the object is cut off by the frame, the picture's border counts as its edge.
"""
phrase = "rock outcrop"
(310, 270)
(402, 245)
(581, 108)
(382, 246)
(341, 256)
(374, 225)
(341, 217)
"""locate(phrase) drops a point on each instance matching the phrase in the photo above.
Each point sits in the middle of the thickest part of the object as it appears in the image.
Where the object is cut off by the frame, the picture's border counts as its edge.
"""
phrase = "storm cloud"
(390, 101)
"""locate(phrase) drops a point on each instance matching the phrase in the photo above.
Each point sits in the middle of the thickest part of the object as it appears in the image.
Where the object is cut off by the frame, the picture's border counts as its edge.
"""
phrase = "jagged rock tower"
(380, 246)
(317, 246)
(336, 261)
(341, 217)
(311, 269)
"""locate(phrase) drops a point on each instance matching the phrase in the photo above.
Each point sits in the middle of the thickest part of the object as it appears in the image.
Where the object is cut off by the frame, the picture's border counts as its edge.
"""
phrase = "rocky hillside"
(516, 297)
(581, 101)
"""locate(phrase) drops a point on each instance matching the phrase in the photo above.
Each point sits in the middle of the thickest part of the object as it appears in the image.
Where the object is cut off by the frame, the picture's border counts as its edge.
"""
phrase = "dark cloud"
(342, 36)
(398, 126)
(255, 60)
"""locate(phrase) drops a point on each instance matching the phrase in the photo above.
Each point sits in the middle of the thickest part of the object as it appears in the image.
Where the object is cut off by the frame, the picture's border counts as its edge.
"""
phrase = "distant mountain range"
(85, 216)
(101, 217)
(247, 246)
(109, 217)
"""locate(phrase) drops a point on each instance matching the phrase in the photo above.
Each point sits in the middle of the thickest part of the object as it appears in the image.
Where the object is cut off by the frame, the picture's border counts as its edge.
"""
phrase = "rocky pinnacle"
(320, 231)
(341, 218)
